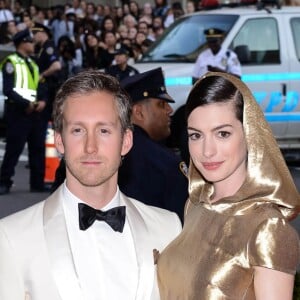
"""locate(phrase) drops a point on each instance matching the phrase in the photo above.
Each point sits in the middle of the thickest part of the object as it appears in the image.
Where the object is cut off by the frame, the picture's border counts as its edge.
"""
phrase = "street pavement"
(20, 197)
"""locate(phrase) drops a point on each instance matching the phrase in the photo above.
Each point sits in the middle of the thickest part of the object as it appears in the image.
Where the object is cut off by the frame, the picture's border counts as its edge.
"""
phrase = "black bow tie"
(114, 217)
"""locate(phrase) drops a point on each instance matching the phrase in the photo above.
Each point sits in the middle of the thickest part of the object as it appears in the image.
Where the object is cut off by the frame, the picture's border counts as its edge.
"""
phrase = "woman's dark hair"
(214, 89)
(102, 27)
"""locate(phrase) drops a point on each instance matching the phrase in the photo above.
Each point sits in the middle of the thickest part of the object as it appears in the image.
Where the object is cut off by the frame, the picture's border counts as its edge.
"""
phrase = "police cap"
(38, 27)
(70, 12)
(23, 36)
(122, 50)
(213, 33)
(146, 85)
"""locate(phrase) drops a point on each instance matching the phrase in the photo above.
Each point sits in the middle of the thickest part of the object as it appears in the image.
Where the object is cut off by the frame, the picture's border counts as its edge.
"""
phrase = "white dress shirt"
(115, 255)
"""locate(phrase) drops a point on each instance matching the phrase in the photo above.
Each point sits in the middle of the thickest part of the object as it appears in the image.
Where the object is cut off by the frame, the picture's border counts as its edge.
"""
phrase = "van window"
(295, 24)
(261, 37)
(184, 39)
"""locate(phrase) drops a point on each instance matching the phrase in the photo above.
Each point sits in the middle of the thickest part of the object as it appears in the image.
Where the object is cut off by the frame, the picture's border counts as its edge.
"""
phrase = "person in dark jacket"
(150, 171)
(47, 58)
(24, 107)
(121, 69)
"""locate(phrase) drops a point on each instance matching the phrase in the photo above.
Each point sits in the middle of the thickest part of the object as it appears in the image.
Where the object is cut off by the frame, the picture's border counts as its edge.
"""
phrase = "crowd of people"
(64, 40)
(86, 34)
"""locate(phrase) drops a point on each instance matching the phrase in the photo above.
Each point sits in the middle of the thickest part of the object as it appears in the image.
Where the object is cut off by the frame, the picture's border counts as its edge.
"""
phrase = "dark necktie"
(30, 67)
(114, 217)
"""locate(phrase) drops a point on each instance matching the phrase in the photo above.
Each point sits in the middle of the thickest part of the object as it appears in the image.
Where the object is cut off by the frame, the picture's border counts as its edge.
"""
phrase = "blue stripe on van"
(270, 77)
(283, 118)
(171, 81)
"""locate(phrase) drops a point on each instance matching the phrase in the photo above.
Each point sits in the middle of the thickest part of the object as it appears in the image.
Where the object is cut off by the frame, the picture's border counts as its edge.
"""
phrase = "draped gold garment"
(214, 256)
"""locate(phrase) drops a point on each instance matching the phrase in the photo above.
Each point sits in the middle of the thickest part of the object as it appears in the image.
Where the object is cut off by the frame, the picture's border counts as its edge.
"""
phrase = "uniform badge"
(50, 50)
(235, 62)
(184, 168)
(9, 68)
(224, 62)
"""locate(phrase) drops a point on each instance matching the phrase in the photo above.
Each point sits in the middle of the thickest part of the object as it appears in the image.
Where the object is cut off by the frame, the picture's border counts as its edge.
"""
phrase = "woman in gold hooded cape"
(238, 245)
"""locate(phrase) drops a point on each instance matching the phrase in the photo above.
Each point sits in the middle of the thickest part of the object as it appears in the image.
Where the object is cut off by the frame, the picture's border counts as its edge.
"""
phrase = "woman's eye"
(224, 134)
(194, 136)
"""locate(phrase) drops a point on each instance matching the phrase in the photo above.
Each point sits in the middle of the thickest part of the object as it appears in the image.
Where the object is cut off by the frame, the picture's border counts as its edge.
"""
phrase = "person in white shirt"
(6, 15)
(216, 58)
(87, 241)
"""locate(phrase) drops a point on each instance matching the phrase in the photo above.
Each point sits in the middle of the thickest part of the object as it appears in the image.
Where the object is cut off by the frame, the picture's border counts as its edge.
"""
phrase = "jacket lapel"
(59, 250)
(143, 250)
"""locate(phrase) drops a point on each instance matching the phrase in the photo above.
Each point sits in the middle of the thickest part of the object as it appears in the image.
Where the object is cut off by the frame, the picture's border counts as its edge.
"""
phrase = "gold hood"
(268, 178)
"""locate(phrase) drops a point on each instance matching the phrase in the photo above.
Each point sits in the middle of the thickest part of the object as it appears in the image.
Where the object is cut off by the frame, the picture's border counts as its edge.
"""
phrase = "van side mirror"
(243, 54)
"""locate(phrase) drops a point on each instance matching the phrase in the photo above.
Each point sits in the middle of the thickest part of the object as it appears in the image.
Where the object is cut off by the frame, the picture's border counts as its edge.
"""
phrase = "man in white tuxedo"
(87, 241)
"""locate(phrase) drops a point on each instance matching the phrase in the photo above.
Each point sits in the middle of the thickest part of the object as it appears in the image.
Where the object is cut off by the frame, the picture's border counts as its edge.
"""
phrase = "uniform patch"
(184, 168)
(224, 62)
(235, 62)
(9, 68)
(50, 50)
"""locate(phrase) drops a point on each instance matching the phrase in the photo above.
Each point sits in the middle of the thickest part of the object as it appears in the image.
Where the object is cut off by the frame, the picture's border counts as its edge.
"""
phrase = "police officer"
(152, 172)
(121, 69)
(26, 100)
(216, 58)
(47, 58)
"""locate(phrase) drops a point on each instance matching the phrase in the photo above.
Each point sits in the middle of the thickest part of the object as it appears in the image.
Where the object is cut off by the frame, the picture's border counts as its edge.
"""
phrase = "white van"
(267, 42)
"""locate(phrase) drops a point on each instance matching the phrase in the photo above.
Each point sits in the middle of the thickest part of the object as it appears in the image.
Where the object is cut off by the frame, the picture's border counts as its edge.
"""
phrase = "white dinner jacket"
(36, 261)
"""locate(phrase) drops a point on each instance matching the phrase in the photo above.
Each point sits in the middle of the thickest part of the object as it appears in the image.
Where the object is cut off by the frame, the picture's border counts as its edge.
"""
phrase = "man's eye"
(77, 131)
(161, 104)
(104, 131)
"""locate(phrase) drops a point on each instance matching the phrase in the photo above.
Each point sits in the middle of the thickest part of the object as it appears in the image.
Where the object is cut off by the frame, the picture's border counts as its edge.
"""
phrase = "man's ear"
(138, 111)
(127, 142)
(59, 143)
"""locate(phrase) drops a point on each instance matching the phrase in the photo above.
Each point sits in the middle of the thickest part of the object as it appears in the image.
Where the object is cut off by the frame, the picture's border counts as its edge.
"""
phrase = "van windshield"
(184, 39)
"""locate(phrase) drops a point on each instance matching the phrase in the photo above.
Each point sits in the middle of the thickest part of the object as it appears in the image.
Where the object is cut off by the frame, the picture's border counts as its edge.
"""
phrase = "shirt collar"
(71, 201)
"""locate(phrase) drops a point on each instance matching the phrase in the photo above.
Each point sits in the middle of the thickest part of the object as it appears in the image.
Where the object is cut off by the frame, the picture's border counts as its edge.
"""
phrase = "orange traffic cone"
(51, 156)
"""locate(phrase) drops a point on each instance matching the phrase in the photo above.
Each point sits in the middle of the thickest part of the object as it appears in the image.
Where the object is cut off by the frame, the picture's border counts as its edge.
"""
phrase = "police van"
(267, 42)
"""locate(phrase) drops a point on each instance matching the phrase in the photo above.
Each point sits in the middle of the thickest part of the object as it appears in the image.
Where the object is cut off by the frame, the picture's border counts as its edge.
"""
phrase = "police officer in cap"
(152, 172)
(26, 100)
(216, 58)
(47, 59)
(121, 69)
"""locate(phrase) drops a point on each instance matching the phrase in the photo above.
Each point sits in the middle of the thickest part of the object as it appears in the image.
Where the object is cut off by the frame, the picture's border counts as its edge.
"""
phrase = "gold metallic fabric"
(221, 243)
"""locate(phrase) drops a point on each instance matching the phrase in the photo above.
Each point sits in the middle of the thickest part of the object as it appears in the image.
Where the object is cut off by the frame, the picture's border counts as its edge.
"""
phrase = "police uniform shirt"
(225, 59)
(115, 253)
(8, 72)
(47, 55)
(6, 15)
(153, 174)
(107, 58)
(121, 74)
